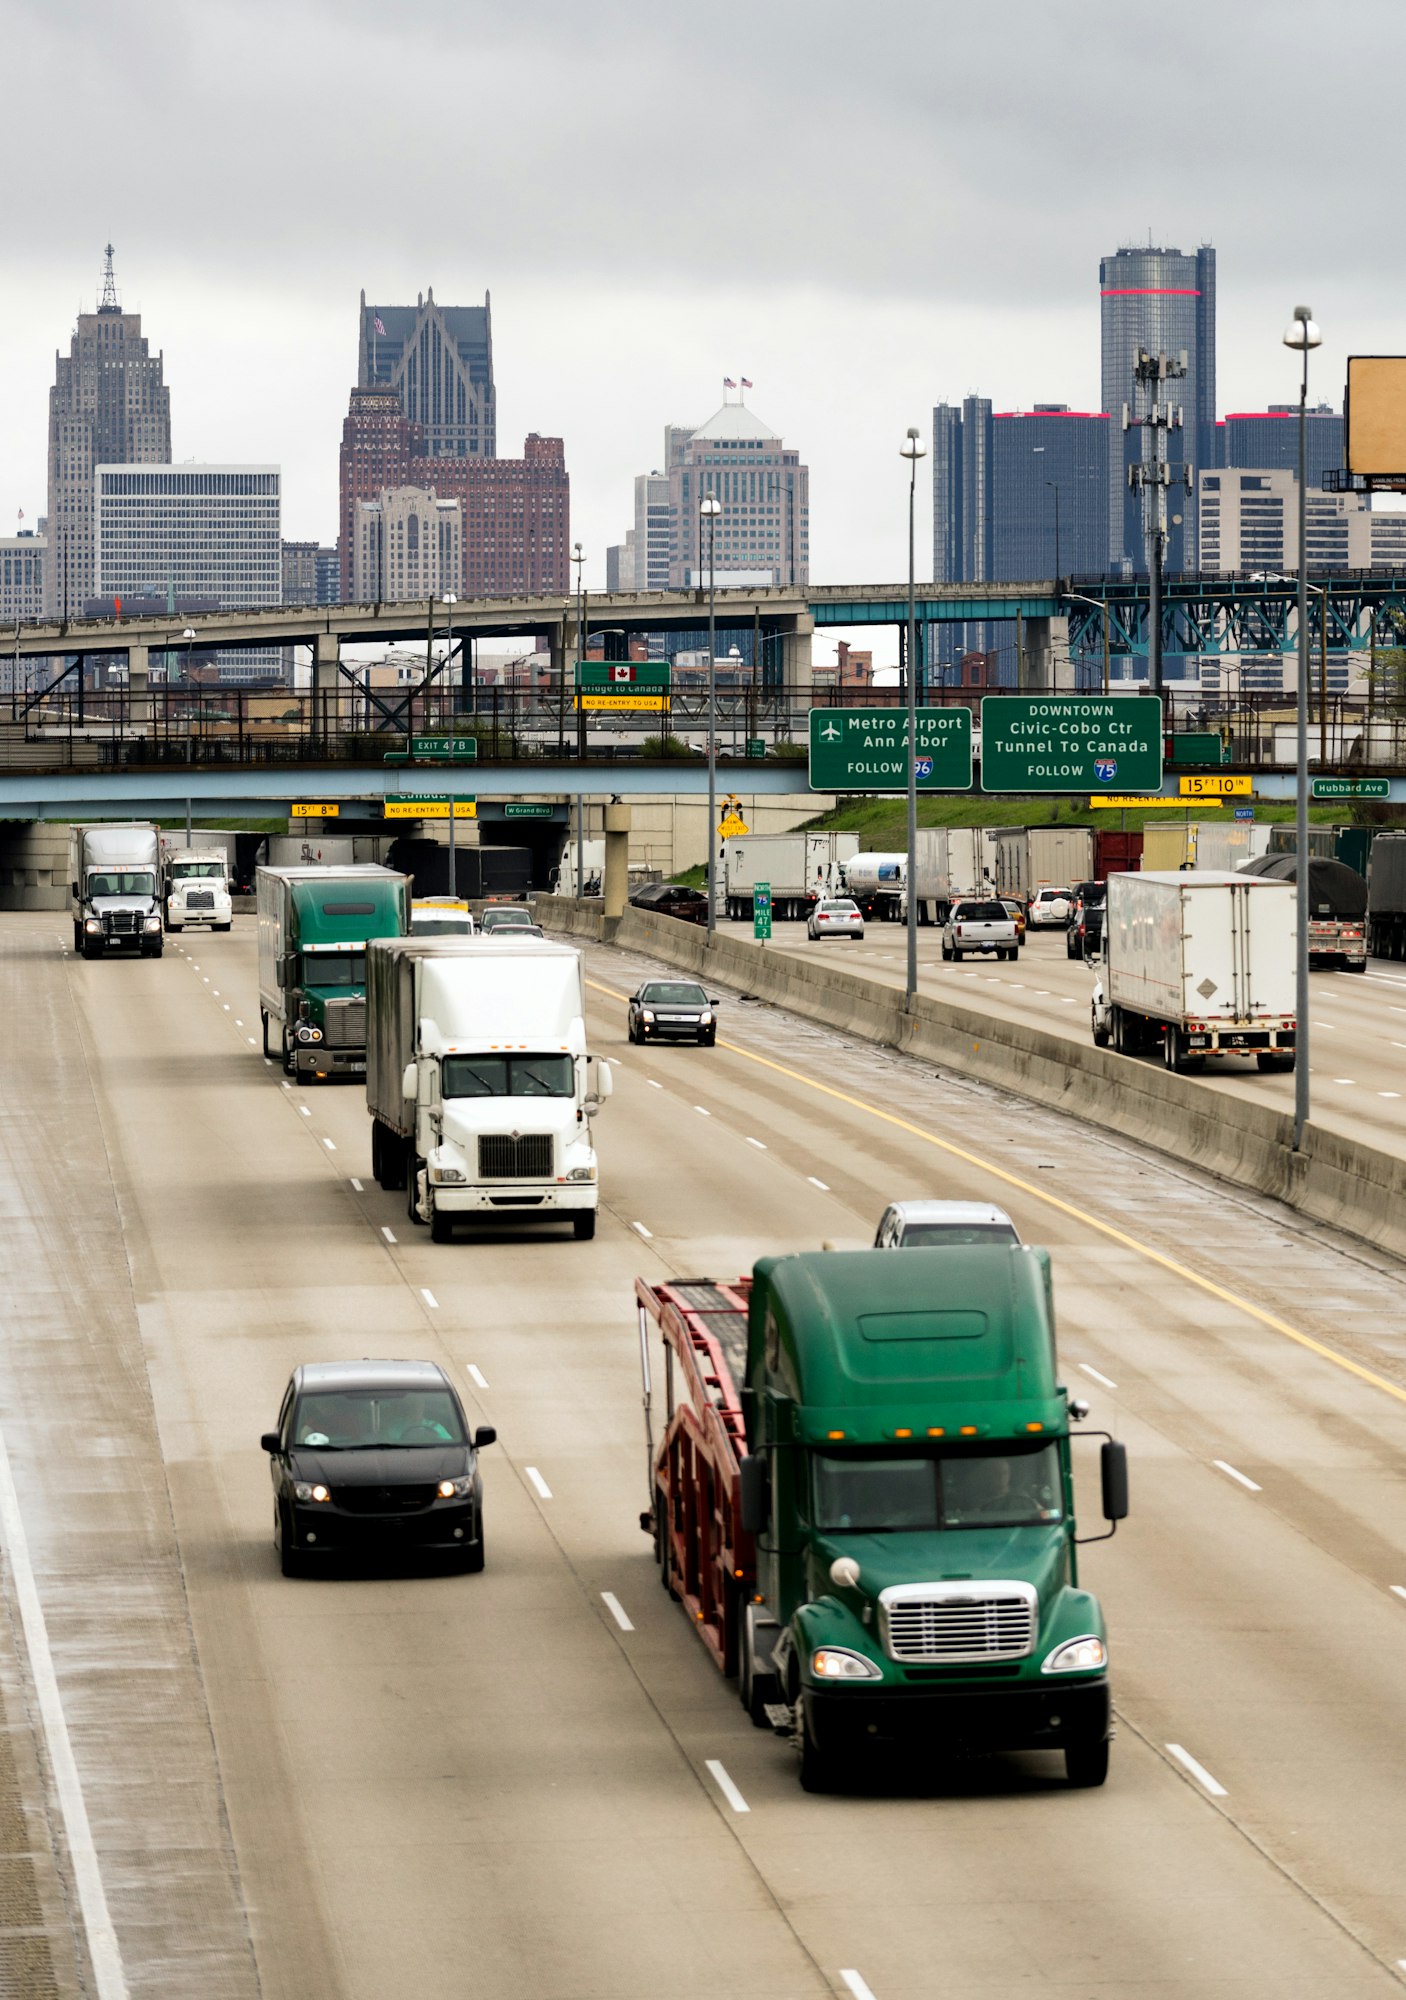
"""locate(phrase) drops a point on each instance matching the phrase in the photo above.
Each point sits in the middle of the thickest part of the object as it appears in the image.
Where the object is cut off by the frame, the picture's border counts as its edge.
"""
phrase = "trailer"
(950, 862)
(1117, 851)
(1386, 896)
(1041, 857)
(800, 868)
(1337, 906)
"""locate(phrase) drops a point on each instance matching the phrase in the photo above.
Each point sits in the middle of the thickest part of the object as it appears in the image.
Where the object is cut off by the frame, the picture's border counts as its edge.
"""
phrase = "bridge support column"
(326, 696)
(138, 688)
(1044, 661)
(616, 875)
(796, 667)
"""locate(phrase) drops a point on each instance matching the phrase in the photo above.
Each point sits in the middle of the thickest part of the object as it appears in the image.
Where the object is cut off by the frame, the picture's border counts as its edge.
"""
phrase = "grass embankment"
(882, 823)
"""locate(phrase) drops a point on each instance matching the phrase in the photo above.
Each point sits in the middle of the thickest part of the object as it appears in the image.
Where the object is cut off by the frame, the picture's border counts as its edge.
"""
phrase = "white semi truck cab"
(479, 1082)
(195, 888)
(115, 904)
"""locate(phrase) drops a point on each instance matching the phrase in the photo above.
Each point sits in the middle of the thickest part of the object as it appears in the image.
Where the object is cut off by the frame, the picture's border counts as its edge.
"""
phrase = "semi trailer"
(1386, 896)
(800, 867)
(1337, 906)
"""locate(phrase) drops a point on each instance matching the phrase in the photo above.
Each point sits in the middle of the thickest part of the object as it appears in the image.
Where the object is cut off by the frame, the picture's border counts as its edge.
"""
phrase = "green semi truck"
(863, 1494)
(314, 927)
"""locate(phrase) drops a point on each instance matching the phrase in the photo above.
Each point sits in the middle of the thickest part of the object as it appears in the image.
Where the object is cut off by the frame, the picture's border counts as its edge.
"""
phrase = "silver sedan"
(835, 916)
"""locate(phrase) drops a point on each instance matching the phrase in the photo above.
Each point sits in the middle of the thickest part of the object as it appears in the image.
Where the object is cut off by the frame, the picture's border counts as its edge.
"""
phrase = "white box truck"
(1198, 964)
(951, 862)
(479, 1082)
(801, 868)
(195, 887)
(114, 874)
(1041, 857)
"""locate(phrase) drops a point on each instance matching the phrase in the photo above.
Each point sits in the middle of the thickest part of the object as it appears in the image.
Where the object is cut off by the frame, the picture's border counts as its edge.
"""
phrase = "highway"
(1357, 1063)
(533, 1783)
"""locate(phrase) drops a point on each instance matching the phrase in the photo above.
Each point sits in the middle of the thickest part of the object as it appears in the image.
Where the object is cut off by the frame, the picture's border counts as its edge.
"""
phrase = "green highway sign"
(444, 746)
(756, 746)
(1071, 743)
(522, 809)
(644, 676)
(761, 911)
(1351, 788)
(866, 750)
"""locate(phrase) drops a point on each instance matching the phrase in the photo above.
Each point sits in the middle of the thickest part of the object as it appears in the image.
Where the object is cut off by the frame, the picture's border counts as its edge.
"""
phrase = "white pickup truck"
(981, 926)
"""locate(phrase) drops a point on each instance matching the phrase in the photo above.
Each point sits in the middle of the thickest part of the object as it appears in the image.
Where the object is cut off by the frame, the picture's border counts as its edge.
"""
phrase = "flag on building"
(745, 383)
(376, 322)
(728, 382)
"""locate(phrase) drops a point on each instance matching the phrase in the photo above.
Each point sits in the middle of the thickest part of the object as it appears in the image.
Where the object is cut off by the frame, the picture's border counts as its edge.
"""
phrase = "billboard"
(1375, 411)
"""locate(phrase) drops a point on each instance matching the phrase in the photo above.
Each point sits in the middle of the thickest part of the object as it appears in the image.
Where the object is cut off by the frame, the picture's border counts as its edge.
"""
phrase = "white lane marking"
(647, 1234)
(237, 1022)
(654, 1083)
(193, 966)
(726, 1786)
(97, 1922)
(758, 1143)
(824, 1189)
(538, 1481)
(389, 1234)
(701, 1112)
(616, 1610)
(478, 1375)
(1231, 1473)
(859, 1987)
(268, 1060)
(206, 980)
(1042, 992)
(286, 1084)
(1065, 1001)
(1395, 1010)
(1019, 984)
(1350, 1081)
(1198, 1771)
(1097, 1377)
(329, 1144)
(1388, 1093)
(1399, 1045)
(1397, 1589)
(225, 1005)
(303, 1111)
(428, 1296)
(357, 1185)
(214, 992)
(253, 1042)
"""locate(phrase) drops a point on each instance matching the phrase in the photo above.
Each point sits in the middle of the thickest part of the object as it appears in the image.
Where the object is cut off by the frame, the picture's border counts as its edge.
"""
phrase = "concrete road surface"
(533, 1783)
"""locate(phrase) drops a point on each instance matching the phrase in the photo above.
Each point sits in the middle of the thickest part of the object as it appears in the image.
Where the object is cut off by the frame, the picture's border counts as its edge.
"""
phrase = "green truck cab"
(909, 1488)
(314, 924)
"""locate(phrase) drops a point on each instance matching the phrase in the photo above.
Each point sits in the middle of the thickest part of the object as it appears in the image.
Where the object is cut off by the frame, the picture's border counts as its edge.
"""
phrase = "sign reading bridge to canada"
(866, 750)
(1071, 743)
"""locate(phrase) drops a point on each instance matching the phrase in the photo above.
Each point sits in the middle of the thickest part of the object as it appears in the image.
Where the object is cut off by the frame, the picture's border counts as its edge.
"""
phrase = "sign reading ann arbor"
(866, 750)
(1071, 743)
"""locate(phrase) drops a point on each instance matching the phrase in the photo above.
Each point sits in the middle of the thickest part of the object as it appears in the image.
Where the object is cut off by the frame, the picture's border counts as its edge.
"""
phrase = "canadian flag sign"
(622, 671)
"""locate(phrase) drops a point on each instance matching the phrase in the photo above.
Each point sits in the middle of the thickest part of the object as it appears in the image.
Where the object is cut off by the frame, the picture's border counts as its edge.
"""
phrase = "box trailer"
(800, 867)
(1386, 896)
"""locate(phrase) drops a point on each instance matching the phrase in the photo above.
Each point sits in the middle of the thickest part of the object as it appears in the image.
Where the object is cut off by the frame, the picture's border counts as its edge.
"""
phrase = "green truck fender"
(1071, 1614)
(829, 1622)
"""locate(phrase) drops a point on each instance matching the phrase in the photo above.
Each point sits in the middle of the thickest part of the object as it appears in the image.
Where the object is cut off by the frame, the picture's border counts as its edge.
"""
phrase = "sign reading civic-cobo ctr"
(1071, 743)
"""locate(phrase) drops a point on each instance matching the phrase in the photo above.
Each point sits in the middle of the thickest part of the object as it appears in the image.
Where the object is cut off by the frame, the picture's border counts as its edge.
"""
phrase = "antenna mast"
(109, 301)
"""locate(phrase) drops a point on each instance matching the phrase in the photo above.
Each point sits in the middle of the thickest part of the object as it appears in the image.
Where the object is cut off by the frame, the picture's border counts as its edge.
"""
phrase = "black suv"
(1085, 934)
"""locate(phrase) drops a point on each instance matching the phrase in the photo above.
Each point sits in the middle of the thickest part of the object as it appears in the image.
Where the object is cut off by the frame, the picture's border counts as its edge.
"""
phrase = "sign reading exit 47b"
(867, 750)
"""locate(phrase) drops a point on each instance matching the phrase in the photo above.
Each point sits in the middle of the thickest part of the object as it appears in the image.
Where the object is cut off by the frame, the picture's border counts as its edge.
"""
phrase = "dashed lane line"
(616, 1610)
(725, 1785)
(1197, 1771)
(1231, 1473)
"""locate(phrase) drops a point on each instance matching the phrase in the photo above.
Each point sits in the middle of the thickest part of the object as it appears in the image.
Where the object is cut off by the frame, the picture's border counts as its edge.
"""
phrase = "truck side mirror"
(1113, 1466)
(410, 1082)
(605, 1082)
(756, 1494)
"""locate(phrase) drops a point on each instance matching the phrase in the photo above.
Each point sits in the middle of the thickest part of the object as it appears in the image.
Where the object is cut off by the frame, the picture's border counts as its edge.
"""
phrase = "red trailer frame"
(707, 1559)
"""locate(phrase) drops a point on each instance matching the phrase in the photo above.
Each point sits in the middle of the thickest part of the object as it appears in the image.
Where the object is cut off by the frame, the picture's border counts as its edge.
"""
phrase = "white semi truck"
(800, 867)
(1198, 964)
(951, 861)
(1041, 857)
(479, 1083)
(114, 872)
(195, 887)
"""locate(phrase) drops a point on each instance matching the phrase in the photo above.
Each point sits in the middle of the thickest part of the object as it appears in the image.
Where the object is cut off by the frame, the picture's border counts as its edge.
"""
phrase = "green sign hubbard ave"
(1351, 788)
(866, 750)
(1071, 743)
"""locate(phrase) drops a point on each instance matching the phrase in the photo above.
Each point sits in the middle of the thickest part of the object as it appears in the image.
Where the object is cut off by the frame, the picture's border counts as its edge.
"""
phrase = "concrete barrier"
(1335, 1180)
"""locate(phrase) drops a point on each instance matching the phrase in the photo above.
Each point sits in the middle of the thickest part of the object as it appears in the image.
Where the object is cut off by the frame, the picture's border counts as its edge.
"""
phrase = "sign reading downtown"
(1070, 743)
(866, 750)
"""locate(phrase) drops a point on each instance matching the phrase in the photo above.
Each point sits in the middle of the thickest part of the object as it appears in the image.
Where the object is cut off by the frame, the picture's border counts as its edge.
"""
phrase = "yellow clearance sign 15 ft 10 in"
(1215, 786)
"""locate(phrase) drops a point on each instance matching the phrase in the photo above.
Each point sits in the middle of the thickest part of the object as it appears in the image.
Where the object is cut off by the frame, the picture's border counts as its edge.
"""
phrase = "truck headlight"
(1077, 1656)
(307, 1033)
(455, 1489)
(449, 1173)
(581, 1174)
(152, 924)
(303, 1490)
(834, 1663)
(93, 924)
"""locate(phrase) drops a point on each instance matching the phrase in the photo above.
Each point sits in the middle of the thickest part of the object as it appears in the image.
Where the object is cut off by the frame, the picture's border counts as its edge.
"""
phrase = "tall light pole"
(449, 602)
(1303, 335)
(578, 556)
(709, 509)
(912, 451)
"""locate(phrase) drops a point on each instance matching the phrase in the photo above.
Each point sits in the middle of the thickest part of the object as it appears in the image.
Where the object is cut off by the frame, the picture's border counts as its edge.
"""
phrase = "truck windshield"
(334, 968)
(508, 1076)
(187, 869)
(122, 882)
(1013, 1488)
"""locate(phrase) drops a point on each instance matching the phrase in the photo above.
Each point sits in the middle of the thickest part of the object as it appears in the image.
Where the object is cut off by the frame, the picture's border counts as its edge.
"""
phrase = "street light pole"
(1302, 335)
(579, 558)
(710, 510)
(449, 604)
(912, 451)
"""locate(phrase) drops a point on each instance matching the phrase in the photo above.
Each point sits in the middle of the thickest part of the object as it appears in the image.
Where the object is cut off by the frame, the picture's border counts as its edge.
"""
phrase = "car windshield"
(186, 870)
(673, 993)
(925, 1235)
(505, 920)
(875, 1494)
(376, 1419)
(980, 913)
(441, 926)
(122, 882)
(334, 968)
(508, 1076)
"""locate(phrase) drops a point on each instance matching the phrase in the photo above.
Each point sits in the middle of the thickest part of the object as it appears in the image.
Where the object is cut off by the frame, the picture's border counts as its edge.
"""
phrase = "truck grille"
(948, 1623)
(344, 1024)
(121, 922)
(501, 1157)
(200, 899)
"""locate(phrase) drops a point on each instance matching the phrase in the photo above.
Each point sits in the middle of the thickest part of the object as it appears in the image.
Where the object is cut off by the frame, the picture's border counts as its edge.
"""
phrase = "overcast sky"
(864, 209)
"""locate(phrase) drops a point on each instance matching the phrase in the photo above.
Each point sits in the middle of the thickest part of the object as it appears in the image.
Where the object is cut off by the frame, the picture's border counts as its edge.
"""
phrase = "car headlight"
(705, 1019)
(303, 1490)
(93, 924)
(1077, 1656)
(834, 1663)
(581, 1174)
(646, 1013)
(456, 1489)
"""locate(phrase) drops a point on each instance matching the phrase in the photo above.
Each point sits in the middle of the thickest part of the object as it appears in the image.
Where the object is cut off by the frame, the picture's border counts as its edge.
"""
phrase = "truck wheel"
(1086, 1764)
(264, 1020)
(289, 1059)
(820, 1769)
(947, 951)
(441, 1226)
(1101, 1036)
(754, 1689)
(221, 927)
(1355, 965)
(583, 1224)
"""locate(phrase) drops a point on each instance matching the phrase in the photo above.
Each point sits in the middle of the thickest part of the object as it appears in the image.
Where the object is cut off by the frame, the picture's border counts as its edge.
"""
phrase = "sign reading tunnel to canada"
(1071, 743)
(866, 750)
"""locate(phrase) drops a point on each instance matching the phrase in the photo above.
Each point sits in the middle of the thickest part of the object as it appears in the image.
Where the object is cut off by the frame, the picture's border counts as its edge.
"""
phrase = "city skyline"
(949, 244)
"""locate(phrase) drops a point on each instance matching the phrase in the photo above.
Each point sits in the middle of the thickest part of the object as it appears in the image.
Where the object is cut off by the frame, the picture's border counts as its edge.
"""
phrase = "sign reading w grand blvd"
(1071, 743)
(867, 750)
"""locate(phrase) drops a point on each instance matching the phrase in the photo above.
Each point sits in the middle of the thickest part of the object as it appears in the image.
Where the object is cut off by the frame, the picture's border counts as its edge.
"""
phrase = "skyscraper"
(961, 496)
(1018, 494)
(439, 362)
(108, 406)
(1271, 438)
(1165, 302)
(762, 534)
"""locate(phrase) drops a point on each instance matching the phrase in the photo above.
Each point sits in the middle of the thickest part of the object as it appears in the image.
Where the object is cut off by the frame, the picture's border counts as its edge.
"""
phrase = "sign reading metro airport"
(1071, 743)
(866, 750)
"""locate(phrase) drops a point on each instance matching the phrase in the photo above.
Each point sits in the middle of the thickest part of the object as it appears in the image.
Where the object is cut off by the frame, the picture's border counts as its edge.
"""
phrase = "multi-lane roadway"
(533, 1782)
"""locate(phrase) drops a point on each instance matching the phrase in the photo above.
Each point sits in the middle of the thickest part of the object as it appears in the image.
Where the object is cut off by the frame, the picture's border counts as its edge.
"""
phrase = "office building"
(311, 574)
(22, 561)
(1270, 438)
(1165, 303)
(961, 507)
(762, 536)
(1018, 494)
(1250, 526)
(109, 405)
(176, 532)
(438, 362)
(409, 546)
(642, 560)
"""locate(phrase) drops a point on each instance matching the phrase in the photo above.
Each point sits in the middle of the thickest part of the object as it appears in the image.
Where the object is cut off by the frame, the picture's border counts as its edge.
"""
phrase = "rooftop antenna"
(109, 300)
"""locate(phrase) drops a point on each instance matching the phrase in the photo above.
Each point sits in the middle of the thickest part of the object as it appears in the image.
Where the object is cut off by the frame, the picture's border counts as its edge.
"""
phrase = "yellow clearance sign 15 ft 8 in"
(1215, 786)
(308, 810)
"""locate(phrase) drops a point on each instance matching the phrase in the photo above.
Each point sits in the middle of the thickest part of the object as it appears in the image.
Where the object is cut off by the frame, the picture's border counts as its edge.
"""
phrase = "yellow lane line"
(1271, 1320)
